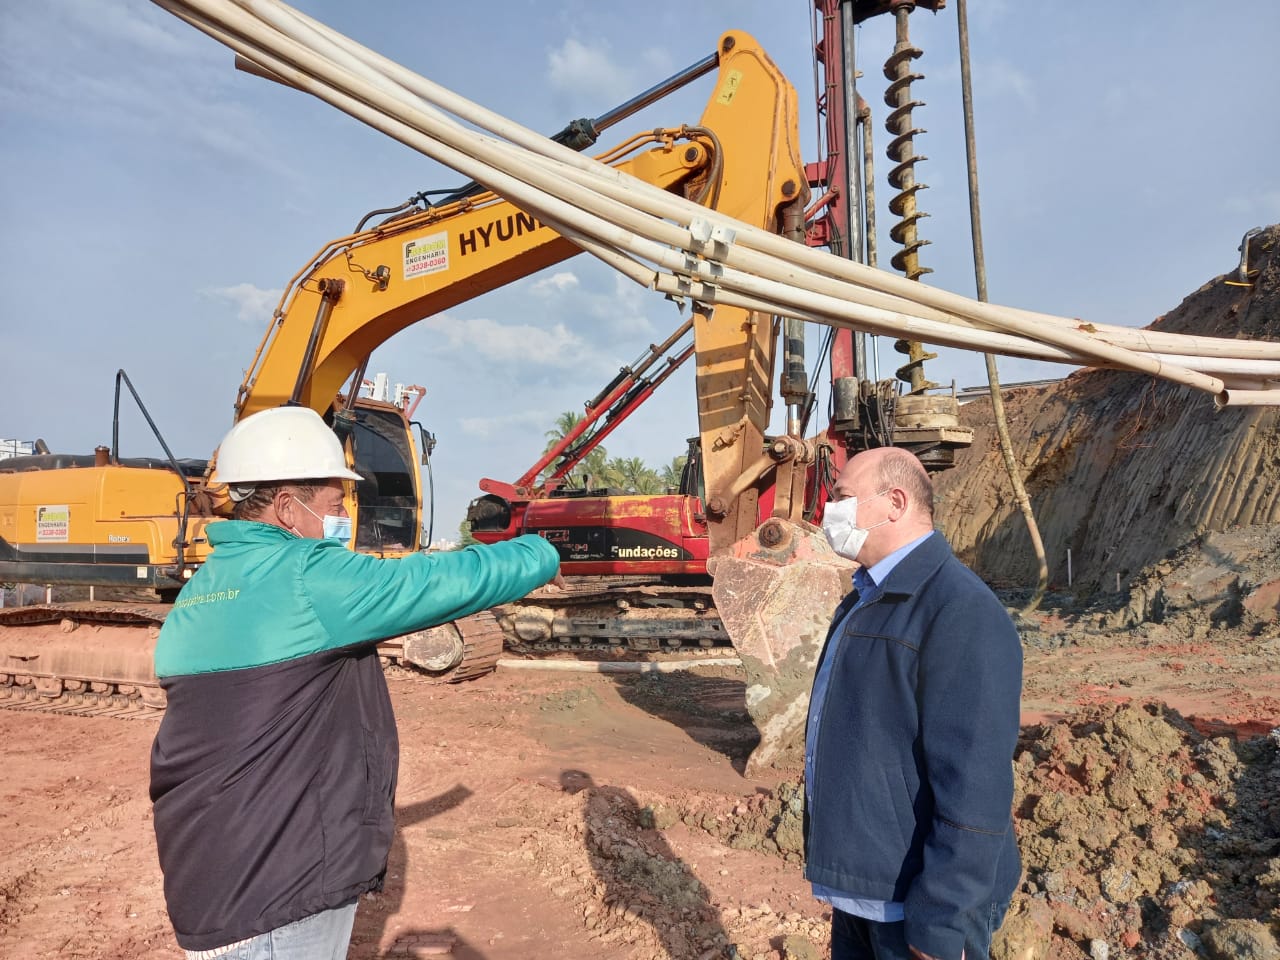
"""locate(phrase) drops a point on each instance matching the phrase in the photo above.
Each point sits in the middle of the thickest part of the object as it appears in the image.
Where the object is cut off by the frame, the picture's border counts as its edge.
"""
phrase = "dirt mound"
(770, 822)
(1139, 832)
(1122, 469)
(1140, 837)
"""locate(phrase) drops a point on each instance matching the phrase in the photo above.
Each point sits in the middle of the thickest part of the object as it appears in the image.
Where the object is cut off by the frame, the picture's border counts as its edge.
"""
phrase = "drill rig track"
(615, 616)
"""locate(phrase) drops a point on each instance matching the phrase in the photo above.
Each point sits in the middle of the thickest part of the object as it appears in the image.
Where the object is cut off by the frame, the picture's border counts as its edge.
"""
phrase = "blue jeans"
(853, 938)
(321, 936)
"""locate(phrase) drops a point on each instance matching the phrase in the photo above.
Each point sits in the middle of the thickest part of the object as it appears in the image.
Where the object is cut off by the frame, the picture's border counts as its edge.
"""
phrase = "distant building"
(16, 448)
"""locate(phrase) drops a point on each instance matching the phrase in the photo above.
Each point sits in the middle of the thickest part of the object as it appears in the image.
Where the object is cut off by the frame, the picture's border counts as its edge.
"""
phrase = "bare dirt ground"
(552, 815)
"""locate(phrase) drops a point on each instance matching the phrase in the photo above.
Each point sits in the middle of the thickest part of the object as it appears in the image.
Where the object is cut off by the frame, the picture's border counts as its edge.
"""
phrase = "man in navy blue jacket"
(912, 726)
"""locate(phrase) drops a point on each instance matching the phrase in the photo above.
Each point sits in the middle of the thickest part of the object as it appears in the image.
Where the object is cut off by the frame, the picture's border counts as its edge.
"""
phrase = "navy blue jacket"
(913, 773)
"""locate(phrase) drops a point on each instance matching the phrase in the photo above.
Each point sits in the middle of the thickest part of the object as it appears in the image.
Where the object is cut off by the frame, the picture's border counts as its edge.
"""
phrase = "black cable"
(825, 355)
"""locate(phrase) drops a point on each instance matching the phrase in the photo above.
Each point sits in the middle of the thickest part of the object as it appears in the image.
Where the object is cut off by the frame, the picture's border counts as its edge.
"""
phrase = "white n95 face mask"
(840, 525)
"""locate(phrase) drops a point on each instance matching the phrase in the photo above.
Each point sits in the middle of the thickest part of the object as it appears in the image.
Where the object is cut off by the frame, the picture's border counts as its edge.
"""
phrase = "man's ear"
(284, 503)
(899, 501)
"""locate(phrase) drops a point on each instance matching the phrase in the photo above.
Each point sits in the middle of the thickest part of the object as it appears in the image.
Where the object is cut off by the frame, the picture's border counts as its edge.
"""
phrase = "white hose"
(666, 204)
(629, 224)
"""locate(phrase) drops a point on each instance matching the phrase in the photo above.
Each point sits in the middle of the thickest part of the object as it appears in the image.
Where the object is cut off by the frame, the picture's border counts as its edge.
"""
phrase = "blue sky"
(154, 201)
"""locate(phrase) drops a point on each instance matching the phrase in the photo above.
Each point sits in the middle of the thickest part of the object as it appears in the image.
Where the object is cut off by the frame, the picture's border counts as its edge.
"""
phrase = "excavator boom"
(361, 290)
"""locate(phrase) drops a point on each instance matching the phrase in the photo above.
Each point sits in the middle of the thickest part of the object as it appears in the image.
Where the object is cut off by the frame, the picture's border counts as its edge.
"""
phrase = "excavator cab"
(387, 510)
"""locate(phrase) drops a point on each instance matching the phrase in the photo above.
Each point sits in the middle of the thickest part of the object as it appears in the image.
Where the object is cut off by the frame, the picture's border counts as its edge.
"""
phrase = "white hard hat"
(285, 443)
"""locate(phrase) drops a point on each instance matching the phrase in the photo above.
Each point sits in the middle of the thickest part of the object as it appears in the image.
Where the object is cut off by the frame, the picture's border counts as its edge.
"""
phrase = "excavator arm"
(752, 116)
(742, 158)
(361, 290)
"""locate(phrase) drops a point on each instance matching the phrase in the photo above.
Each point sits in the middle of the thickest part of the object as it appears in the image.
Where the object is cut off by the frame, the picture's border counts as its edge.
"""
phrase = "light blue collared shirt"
(868, 582)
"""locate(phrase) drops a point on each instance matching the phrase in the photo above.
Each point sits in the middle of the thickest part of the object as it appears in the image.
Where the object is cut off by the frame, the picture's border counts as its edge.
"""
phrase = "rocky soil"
(1142, 837)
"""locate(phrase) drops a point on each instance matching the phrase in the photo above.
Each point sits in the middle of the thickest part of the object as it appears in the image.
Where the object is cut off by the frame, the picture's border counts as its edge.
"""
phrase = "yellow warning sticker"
(729, 88)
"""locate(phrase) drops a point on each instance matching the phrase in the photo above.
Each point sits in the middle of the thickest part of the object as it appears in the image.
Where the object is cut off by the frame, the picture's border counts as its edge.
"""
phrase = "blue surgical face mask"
(333, 528)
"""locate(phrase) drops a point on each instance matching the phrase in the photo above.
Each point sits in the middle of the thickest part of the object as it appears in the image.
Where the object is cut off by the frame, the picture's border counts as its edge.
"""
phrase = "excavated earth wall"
(1123, 469)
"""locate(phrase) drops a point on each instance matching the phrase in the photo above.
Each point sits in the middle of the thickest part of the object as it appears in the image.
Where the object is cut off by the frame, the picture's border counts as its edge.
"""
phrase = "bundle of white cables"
(682, 249)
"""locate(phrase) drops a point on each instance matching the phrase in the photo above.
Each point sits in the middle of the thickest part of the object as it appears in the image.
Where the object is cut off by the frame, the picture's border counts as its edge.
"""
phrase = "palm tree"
(592, 466)
(598, 471)
(633, 475)
(672, 473)
(594, 471)
(564, 426)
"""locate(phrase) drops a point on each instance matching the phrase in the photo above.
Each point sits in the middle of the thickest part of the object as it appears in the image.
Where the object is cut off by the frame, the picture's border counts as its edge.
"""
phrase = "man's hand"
(921, 955)
(558, 582)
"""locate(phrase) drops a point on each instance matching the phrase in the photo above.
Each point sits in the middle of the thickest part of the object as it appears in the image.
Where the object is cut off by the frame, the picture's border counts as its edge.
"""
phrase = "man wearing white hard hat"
(273, 773)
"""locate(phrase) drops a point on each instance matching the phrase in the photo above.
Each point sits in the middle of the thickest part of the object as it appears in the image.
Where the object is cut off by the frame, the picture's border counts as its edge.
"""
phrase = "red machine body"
(601, 533)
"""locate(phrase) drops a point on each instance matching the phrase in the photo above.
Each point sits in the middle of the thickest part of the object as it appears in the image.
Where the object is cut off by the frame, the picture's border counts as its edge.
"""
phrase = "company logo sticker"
(53, 524)
(426, 255)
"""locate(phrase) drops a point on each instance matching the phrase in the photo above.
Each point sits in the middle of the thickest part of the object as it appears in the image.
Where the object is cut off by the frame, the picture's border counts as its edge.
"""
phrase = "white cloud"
(253, 304)
(620, 315)
(88, 27)
(516, 343)
(577, 67)
(129, 69)
(634, 316)
(98, 47)
(556, 283)
(138, 27)
(623, 314)
(510, 425)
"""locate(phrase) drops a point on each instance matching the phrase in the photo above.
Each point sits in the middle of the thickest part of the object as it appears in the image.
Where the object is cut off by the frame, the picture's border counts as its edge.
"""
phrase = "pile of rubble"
(1140, 837)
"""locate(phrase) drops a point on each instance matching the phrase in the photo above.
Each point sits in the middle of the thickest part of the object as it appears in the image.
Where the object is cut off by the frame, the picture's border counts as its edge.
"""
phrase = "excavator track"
(95, 659)
(479, 636)
(86, 704)
(84, 659)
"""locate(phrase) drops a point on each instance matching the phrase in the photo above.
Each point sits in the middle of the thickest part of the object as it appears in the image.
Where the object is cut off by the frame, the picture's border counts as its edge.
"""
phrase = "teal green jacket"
(273, 773)
(266, 595)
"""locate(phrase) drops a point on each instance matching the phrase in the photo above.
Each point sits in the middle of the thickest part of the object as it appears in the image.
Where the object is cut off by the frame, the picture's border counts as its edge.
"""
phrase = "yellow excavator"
(138, 525)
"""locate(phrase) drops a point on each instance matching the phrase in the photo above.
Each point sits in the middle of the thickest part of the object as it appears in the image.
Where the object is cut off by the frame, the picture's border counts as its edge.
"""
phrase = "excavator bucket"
(775, 594)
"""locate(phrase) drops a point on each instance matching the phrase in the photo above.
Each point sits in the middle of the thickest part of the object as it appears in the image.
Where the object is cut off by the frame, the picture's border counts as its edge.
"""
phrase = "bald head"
(897, 468)
(895, 499)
